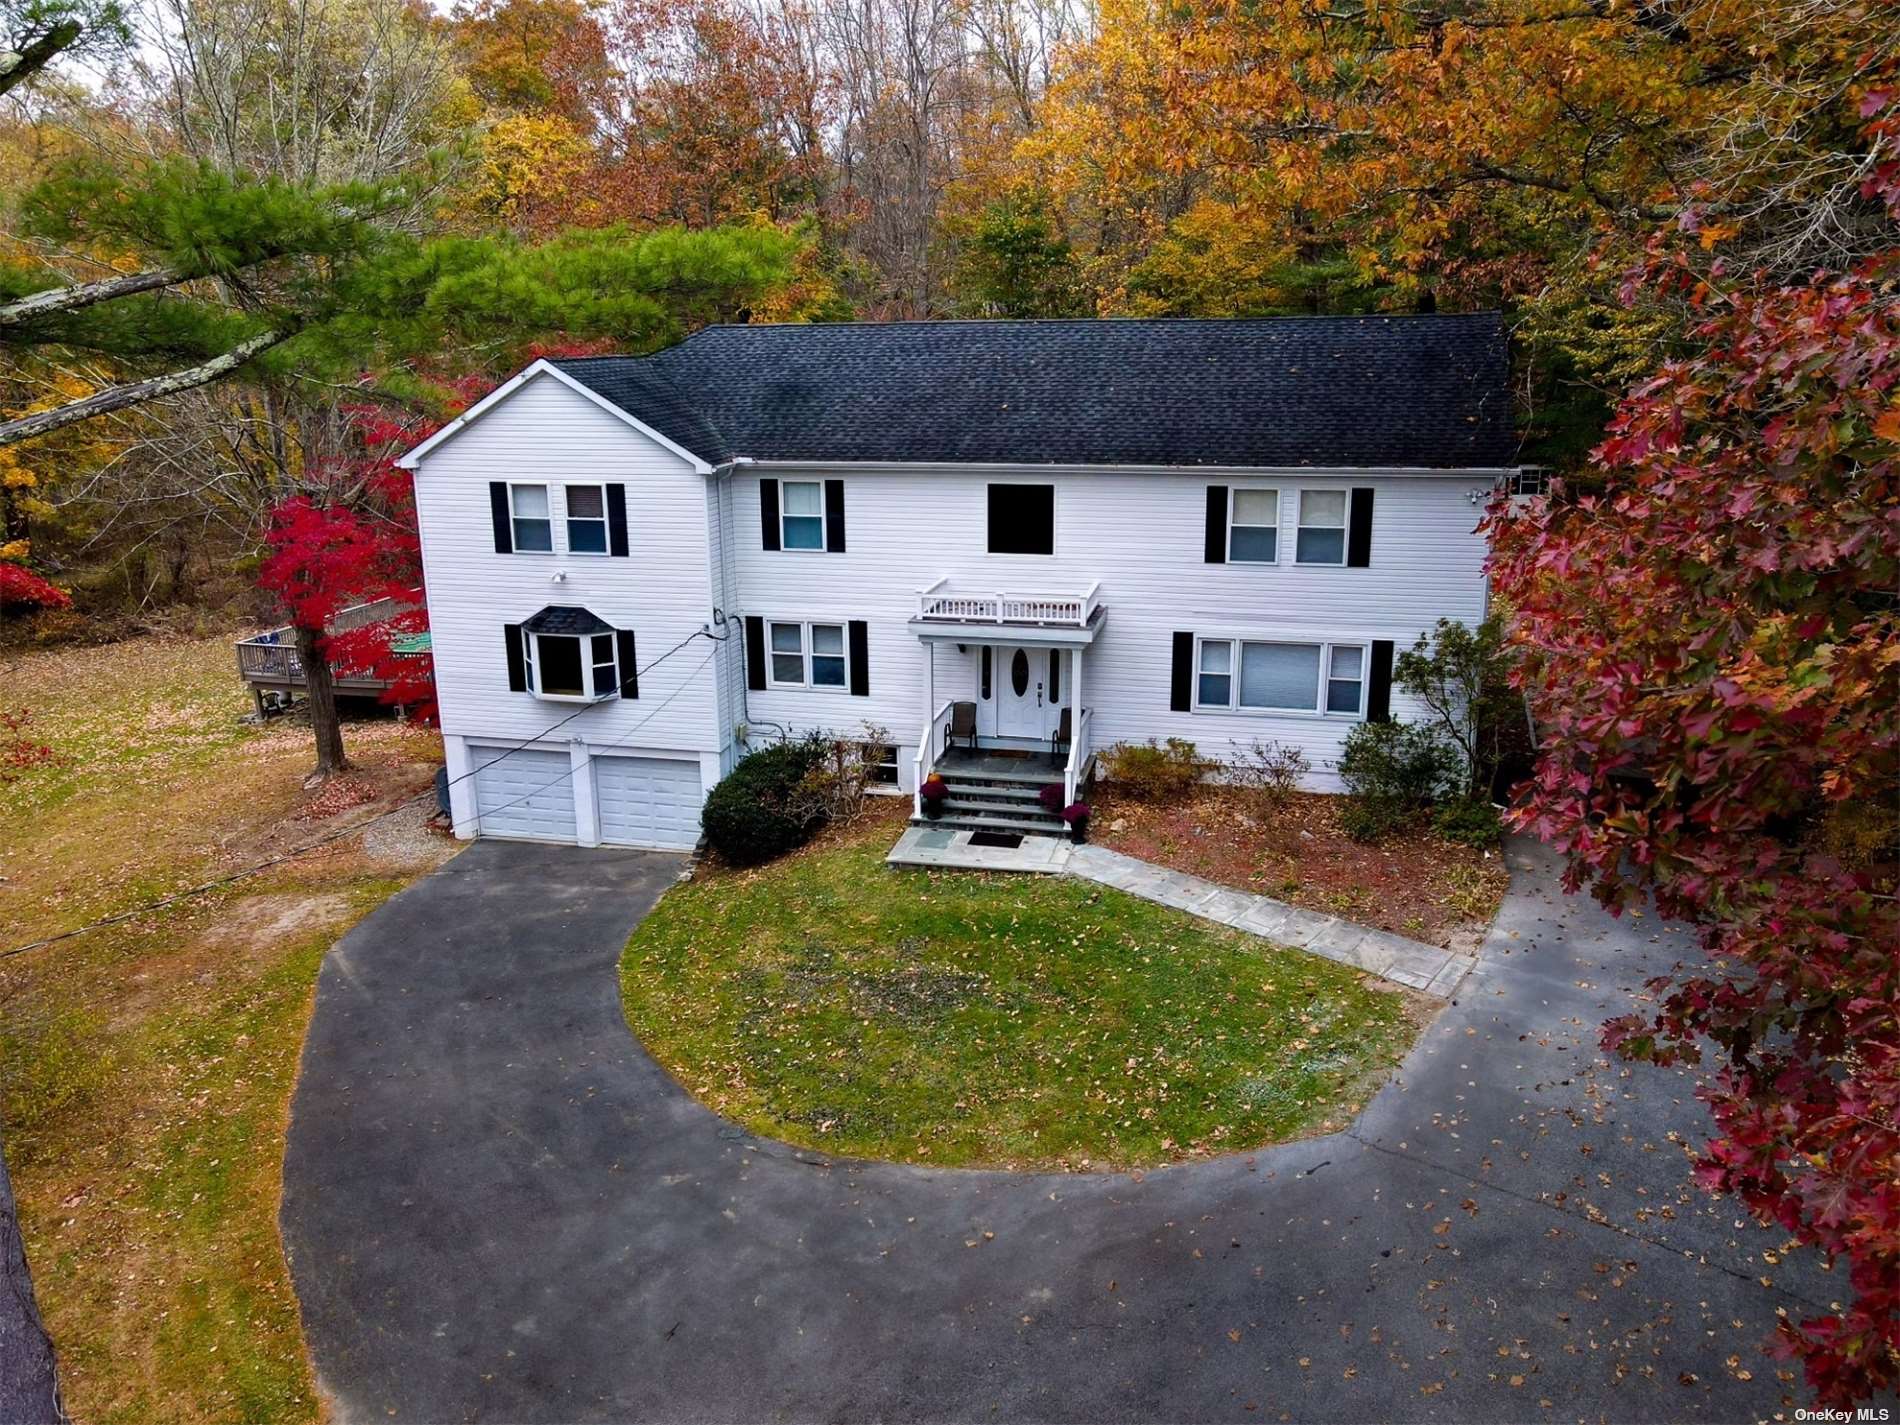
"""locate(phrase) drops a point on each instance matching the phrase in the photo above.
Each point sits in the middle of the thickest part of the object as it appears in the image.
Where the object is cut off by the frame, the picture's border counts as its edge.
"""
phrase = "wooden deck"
(268, 660)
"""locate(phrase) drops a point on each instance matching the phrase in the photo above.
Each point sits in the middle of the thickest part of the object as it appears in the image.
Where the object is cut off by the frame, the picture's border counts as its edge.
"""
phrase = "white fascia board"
(544, 367)
(1278, 472)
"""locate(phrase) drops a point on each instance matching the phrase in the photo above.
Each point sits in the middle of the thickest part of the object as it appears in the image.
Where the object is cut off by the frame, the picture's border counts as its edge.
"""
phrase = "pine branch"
(132, 393)
(84, 294)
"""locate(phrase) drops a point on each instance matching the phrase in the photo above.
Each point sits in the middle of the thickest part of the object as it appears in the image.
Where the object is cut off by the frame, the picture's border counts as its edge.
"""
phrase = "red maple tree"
(1712, 648)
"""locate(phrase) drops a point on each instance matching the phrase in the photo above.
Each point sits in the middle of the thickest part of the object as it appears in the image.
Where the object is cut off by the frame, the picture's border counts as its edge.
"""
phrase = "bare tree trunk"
(321, 691)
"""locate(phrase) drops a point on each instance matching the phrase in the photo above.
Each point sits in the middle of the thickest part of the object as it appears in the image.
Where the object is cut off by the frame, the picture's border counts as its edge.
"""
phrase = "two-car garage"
(546, 794)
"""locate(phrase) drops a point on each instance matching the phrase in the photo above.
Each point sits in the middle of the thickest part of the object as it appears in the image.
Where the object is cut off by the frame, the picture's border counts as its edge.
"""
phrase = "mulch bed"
(1415, 884)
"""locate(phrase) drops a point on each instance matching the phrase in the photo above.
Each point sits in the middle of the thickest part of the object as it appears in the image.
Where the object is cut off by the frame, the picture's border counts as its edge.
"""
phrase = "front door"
(1024, 705)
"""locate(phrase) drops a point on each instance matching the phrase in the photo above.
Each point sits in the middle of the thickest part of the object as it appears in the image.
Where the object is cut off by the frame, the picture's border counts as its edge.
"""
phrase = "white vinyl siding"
(664, 596)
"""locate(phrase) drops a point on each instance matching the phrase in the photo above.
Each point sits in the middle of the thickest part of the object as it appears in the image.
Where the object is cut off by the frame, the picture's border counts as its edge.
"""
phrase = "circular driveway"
(498, 1208)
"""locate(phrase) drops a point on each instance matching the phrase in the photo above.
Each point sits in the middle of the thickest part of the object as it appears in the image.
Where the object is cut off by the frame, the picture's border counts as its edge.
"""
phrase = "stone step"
(1032, 775)
(956, 821)
(1024, 811)
(1005, 792)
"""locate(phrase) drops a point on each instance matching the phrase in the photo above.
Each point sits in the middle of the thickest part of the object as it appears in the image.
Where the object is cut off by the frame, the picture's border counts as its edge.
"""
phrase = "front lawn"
(146, 1068)
(1414, 883)
(963, 1019)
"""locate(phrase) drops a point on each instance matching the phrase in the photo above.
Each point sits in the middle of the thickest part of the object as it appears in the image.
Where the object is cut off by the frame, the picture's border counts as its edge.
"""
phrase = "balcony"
(943, 611)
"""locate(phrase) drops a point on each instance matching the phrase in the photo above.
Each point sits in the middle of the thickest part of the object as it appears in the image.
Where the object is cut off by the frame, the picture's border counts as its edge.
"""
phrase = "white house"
(1216, 530)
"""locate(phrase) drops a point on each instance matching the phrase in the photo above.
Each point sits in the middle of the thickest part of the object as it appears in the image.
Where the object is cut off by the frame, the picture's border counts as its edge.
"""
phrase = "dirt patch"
(1417, 884)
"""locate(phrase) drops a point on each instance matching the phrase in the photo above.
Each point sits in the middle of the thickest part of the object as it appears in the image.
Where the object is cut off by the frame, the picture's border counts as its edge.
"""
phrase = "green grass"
(146, 1069)
(963, 1019)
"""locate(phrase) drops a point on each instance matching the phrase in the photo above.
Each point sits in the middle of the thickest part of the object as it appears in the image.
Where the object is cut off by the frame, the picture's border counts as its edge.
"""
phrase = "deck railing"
(926, 758)
(271, 656)
(939, 604)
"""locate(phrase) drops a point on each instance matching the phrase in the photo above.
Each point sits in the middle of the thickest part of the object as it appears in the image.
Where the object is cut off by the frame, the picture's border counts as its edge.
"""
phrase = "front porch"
(1004, 706)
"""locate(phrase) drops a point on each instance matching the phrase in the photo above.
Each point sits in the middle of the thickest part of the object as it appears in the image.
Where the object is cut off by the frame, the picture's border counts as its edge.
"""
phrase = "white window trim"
(1055, 519)
(805, 654)
(1278, 526)
(606, 525)
(514, 539)
(824, 522)
(531, 656)
(1232, 707)
(1345, 529)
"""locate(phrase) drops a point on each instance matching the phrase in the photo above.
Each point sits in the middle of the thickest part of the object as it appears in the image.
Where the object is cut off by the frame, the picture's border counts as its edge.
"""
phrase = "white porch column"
(586, 811)
(1075, 712)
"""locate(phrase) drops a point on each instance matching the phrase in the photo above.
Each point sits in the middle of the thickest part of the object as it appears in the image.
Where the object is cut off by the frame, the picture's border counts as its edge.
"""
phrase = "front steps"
(991, 797)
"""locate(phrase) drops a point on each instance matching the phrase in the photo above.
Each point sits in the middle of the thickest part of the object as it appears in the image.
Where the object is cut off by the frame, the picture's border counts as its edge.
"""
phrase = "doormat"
(1009, 840)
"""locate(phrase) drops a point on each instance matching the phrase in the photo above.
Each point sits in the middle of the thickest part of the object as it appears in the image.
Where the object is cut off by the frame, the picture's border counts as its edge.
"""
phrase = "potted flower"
(932, 793)
(1076, 814)
(1051, 798)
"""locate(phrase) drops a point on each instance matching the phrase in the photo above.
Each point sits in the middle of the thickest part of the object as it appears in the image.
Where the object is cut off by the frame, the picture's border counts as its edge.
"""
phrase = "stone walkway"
(1411, 963)
(947, 848)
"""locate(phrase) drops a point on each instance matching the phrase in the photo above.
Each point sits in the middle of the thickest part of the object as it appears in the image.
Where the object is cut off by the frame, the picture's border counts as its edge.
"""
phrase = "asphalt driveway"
(498, 1208)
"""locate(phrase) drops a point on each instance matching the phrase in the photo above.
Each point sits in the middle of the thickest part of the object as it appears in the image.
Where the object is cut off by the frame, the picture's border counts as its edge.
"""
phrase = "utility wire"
(120, 917)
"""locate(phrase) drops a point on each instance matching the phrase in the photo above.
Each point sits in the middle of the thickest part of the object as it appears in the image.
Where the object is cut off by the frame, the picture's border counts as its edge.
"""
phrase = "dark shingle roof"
(1429, 391)
(565, 618)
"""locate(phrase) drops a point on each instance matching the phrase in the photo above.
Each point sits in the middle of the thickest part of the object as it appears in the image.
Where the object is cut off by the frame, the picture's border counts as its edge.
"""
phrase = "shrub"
(1393, 771)
(1271, 769)
(762, 809)
(1469, 823)
(839, 782)
(1152, 771)
(21, 588)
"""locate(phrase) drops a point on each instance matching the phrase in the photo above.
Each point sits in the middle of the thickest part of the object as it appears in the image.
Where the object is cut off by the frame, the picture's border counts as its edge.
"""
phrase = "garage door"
(527, 793)
(647, 801)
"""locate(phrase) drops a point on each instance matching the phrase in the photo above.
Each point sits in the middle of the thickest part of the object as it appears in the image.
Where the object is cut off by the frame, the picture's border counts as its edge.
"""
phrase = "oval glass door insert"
(1019, 672)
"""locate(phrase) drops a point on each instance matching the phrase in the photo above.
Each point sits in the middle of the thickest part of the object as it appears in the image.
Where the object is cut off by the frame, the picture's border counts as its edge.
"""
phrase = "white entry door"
(1024, 705)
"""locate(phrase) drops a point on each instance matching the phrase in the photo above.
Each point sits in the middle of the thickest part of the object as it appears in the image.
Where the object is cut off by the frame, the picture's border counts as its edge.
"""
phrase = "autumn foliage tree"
(1712, 648)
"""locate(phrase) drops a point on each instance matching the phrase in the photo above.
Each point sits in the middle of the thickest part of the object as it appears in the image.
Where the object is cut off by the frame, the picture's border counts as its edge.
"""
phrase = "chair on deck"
(962, 725)
(1064, 735)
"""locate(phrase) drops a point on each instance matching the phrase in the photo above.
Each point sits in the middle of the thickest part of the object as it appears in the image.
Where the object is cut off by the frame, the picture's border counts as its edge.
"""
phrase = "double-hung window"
(808, 655)
(533, 530)
(1261, 676)
(1253, 531)
(1346, 679)
(586, 519)
(802, 514)
(1321, 538)
(580, 667)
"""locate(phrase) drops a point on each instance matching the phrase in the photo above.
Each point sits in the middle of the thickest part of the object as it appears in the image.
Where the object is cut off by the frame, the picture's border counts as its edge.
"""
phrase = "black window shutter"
(755, 653)
(985, 660)
(498, 509)
(1359, 529)
(1379, 682)
(1181, 684)
(834, 517)
(1055, 675)
(1216, 552)
(860, 658)
(517, 668)
(617, 520)
(629, 663)
(768, 513)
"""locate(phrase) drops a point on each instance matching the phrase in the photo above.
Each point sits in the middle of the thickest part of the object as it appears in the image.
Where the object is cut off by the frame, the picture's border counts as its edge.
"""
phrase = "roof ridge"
(939, 322)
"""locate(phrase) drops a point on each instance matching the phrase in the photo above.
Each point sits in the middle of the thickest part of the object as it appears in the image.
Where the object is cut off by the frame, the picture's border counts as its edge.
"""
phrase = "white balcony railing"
(940, 605)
